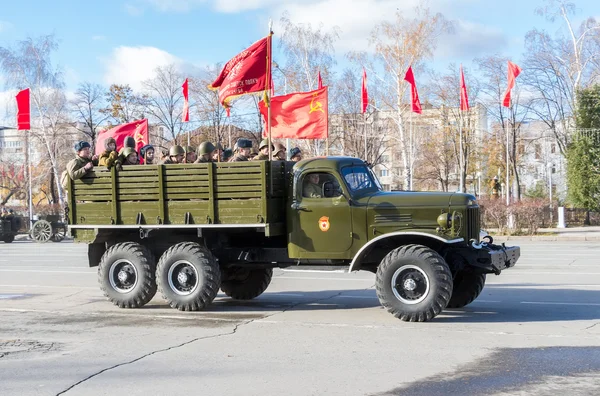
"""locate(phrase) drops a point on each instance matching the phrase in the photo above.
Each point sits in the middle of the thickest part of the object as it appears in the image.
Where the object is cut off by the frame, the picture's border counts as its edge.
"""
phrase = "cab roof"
(333, 163)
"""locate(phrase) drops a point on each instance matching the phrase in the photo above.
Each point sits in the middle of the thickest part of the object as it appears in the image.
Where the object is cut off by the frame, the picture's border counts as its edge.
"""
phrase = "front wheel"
(414, 283)
(188, 276)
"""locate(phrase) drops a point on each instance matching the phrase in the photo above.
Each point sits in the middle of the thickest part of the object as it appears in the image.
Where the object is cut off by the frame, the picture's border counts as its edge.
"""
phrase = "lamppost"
(550, 169)
(287, 140)
(478, 184)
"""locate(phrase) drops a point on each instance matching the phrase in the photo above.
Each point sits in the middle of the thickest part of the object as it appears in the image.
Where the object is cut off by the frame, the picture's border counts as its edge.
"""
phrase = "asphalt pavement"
(535, 330)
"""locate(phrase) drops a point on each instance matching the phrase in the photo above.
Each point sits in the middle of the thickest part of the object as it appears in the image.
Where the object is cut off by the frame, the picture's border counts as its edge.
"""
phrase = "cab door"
(321, 224)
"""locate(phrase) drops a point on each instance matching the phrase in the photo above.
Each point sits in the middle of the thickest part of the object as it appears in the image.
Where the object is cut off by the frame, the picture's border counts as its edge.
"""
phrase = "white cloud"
(470, 40)
(133, 10)
(132, 65)
(175, 5)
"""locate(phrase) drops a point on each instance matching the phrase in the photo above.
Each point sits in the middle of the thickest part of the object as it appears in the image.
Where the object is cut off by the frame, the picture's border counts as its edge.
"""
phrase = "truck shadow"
(507, 303)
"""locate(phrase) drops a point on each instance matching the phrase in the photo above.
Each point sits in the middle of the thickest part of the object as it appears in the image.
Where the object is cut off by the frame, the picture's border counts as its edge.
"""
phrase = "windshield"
(359, 178)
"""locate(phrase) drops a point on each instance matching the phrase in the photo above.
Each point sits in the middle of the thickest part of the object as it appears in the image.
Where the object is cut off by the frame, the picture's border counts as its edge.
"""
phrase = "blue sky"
(105, 41)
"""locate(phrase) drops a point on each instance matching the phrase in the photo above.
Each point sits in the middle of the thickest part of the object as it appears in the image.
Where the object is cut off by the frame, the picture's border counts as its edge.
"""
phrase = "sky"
(123, 41)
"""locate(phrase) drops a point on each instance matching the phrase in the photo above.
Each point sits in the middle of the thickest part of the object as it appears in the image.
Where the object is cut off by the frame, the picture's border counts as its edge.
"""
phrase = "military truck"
(188, 230)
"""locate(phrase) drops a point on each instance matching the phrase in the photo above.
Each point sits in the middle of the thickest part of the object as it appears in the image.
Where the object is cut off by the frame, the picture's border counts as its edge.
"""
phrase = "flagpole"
(30, 199)
(460, 158)
(507, 168)
(365, 132)
(410, 165)
(268, 90)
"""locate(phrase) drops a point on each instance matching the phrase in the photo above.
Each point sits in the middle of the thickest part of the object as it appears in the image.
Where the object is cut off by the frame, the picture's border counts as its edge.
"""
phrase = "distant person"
(206, 152)
(263, 149)
(176, 155)
(280, 152)
(295, 154)
(227, 154)
(218, 153)
(312, 189)
(147, 154)
(244, 147)
(130, 157)
(190, 155)
(110, 154)
(79, 166)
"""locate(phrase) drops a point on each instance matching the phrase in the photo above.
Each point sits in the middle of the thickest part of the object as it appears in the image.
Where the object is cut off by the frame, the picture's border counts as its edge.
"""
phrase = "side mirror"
(328, 190)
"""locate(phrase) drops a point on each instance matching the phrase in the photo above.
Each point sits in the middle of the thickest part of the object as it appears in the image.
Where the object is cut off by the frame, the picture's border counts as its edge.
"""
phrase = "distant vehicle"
(9, 228)
(189, 230)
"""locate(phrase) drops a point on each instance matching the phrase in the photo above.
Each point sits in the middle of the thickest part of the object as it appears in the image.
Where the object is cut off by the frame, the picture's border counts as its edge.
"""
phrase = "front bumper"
(493, 258)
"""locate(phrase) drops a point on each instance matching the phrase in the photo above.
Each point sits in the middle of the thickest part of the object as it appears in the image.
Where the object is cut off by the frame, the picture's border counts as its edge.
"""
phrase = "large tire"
(246, 284)
(467, 287)
(188, 276)
(414, 283)
(9, 238)
(127, 275)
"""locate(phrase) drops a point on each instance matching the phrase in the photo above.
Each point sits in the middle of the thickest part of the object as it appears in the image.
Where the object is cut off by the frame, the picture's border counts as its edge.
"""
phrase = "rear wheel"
(467, 287)
(188, 276)
(41, 231)
(246, 284)
(9, 238)
(126, 275)
(414, 283)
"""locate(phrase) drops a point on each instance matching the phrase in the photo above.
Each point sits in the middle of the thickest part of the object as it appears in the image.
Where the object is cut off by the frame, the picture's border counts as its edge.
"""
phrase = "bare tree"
(123, 105)
(493, 70)
(399, 44)
(308, 50)
(558, 67)
(87, 107)
(162, 100)
(29, 65)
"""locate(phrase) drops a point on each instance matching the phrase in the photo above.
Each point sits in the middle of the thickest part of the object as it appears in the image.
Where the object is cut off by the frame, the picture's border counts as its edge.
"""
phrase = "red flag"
(298, 115)
(513, 73)
(364, 94)
(410, 78)
(464, 97)
(186, 104)
(319, 80)
(137, 129)
(245, 73)
(23, 110)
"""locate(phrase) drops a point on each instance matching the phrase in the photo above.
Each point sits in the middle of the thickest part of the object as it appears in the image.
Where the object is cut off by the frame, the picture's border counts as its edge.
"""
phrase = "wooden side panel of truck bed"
(203, 194)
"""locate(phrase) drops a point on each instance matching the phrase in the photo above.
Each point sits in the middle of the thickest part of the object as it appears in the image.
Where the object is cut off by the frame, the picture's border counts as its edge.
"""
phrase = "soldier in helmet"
(295, 154)
(218, 153)
(129, 142)
(244, 146)
(227, 154)
(206, 151)
(176, 155)
(147, 153)
(130, 157)
(80, 165)
(110, 155)
(263, 149)
(280, 152)
(190, 155)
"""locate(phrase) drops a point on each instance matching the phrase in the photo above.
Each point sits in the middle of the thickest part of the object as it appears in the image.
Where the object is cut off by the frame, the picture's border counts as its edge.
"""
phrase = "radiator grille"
(473, 223)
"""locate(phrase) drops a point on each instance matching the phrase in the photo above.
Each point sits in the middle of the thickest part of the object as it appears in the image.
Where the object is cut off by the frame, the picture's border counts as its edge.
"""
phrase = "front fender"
(401, 238)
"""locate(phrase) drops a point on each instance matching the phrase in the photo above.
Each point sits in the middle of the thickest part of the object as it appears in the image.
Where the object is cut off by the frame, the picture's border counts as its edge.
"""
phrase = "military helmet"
(219, 146)
(176, 150)
(128, 151)
(189, 149)
(206, 148)
(129, 142)
(278, 148)
(264, 143)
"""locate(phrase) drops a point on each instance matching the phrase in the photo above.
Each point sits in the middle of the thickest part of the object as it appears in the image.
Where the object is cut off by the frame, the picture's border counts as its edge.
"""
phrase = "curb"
(502, 238)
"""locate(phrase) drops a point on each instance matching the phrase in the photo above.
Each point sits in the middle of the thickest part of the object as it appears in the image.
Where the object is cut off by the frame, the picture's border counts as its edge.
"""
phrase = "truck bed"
(203, 195)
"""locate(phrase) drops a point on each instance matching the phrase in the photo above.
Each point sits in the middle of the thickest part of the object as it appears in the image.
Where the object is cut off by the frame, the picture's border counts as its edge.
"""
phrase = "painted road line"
(316, 271)
(325, 279)
(48, 272)
(51, 287)
(562, 303)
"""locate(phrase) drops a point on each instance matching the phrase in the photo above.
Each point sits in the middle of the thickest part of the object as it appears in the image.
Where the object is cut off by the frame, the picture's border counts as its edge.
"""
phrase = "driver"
(312, 188)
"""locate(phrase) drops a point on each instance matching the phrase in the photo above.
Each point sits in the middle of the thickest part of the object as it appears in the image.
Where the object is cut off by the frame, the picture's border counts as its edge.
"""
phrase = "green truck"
(188, 230)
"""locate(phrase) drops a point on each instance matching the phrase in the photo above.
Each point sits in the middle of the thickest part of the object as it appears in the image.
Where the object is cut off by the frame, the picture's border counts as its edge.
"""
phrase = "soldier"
(227, 154)
(243, 150)
(110, 155)
(129, 142)
(295, 154)
(147, 153)
(218, 153)
(190, 155)
(280, 152)
(206, 151)
(495, 184)
(176, 155)
(263, 149)
(80, 165)
(130, 157)
(312, 188)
